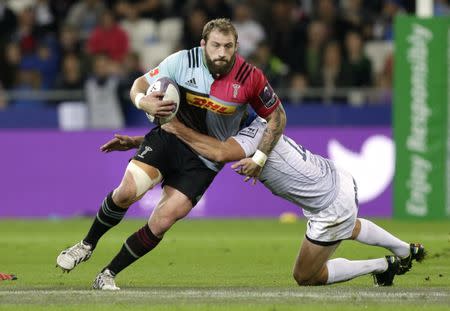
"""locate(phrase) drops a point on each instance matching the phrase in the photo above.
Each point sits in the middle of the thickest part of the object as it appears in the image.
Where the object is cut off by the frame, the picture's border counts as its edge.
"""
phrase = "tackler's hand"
(119, 143)
(248, 168)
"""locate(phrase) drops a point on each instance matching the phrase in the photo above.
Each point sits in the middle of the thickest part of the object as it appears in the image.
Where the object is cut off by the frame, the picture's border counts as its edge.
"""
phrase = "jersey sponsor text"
(208, 103)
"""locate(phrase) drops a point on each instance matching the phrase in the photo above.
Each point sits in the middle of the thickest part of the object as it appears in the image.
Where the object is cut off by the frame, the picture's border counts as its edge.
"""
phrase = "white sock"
(341, 269)
(373, 235)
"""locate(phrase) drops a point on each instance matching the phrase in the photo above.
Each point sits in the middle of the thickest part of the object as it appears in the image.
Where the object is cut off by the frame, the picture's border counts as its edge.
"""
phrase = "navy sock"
(137, 245)
(107, 217)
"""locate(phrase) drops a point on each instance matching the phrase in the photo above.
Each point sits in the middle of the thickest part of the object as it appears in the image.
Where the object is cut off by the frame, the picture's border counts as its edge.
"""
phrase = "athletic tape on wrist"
(259, 158)
(137, 99)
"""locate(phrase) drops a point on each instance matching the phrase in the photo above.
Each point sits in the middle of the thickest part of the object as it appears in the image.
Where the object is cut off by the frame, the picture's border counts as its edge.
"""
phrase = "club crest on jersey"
(235, 89)
(154, 72)
(268, 96)
(143, 152)
(209, 103)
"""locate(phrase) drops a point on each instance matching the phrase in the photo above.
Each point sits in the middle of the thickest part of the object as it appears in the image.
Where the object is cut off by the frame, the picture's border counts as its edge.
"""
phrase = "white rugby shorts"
(336, 222)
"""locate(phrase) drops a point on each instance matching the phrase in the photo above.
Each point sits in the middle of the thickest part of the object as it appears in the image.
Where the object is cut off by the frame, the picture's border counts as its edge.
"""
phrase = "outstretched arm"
(207, 146)
(122, 143)
(251, 167)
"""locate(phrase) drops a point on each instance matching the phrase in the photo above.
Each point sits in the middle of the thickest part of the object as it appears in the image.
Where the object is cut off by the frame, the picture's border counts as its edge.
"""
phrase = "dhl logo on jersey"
(208, 103)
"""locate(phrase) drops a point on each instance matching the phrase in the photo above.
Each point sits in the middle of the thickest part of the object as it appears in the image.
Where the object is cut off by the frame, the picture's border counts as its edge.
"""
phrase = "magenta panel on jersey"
(57, 174)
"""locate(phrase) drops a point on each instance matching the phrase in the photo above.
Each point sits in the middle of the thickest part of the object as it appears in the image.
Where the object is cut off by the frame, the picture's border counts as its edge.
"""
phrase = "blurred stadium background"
(317, 54)
(66, 67)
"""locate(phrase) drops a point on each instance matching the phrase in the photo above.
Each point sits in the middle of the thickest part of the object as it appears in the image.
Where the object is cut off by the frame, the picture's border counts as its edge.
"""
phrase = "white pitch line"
(238, 294)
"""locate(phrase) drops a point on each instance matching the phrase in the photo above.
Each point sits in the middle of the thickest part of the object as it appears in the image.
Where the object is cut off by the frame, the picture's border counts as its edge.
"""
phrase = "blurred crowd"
(101, 46)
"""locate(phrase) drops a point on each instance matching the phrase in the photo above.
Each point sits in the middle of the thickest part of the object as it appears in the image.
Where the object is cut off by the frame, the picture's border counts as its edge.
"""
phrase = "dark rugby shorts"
(181, 168)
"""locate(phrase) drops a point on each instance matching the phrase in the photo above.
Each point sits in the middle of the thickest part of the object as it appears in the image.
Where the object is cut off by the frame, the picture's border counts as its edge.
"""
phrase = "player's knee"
(303, 281)
(142, 181)
(124, 195)
(169, 210)
(163, 219)
(300, 278)
(161, 224)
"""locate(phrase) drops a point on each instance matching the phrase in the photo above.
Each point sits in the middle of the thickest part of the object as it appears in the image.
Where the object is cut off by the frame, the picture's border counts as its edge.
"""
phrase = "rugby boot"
(416, 252)
(71, 257)
(386, 278)
(105, 281)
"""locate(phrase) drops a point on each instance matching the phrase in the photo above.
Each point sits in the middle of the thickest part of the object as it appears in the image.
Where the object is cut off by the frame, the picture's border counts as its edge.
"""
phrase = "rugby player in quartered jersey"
(216, 87)
(215, 105)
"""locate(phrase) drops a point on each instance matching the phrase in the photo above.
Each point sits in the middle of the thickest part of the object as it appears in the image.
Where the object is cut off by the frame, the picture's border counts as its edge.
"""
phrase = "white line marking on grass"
(236, 293)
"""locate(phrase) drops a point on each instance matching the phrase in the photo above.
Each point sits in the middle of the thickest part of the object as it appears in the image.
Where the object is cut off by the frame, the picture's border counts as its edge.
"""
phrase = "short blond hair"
(222, 25)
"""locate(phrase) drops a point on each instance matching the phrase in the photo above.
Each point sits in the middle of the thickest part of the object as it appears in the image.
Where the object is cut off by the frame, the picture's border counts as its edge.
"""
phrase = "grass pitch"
(211, 265)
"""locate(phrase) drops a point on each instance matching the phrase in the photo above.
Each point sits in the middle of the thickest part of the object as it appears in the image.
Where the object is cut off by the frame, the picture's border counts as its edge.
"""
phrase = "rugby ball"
(170, 88)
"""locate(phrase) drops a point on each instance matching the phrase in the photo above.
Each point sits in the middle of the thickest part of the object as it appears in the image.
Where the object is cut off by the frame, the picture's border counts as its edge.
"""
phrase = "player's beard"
(219, 66)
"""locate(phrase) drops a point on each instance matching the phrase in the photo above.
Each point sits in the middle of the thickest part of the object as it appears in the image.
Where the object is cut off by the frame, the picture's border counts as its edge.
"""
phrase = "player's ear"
(202, 43)
(237, 46)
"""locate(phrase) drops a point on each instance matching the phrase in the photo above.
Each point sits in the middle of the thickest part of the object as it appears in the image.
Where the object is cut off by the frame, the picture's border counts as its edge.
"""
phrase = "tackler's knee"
(308, 279)
(303, 281)
(300, 278)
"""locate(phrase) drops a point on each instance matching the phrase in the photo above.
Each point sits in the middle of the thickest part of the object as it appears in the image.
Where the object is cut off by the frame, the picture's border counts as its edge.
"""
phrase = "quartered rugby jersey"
(215, 106)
